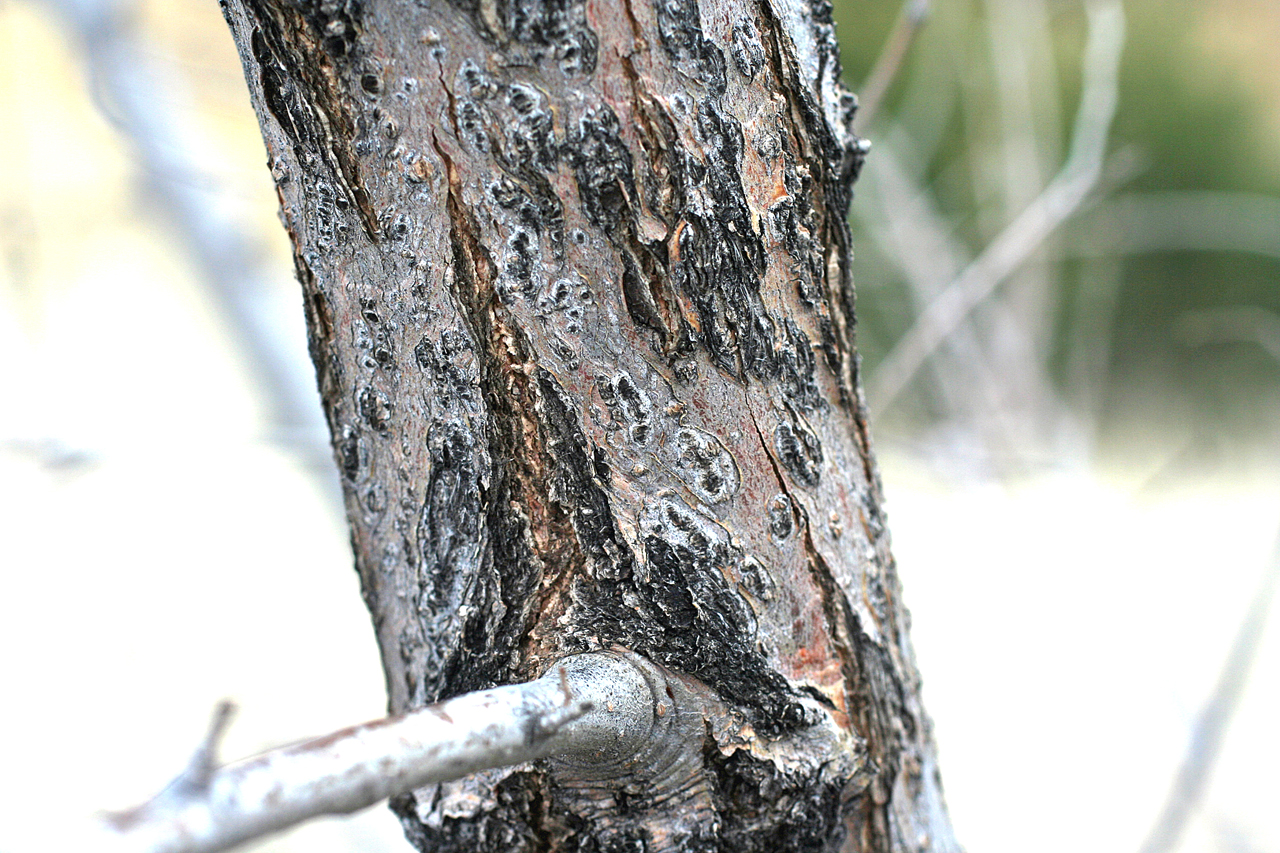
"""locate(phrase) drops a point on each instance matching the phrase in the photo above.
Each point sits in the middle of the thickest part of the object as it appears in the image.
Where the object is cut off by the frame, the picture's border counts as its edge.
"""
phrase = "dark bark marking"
(629, 406)
(513, 826)
(680, 31)
(677, 609)
(350, 452)
(776, 812)
(798, 449)
(781, 521)
(747, 51)
(375, 408)
(602, 166)
(312, 45)
(452, 547)
(580, 486)
(675, 606)
(538, 30)
(716, 261)
(503, 605)
(705, 465)
(441, 360)
(335, 22)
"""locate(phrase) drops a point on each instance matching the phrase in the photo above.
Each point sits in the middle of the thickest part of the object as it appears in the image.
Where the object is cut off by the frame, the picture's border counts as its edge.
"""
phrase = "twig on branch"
(205, 760)
(889, 62)
(596, 707)
(1214, 719)
(1020, 239)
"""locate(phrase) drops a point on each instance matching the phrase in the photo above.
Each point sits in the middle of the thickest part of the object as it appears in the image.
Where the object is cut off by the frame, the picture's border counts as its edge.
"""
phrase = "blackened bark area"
(577, 283)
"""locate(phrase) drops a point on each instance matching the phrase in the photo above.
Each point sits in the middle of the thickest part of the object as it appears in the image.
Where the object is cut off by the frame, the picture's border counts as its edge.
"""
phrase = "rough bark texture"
(577, 280)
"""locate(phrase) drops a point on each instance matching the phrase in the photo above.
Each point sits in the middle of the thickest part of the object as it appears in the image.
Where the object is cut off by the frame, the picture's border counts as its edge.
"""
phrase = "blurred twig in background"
(1063, 197)
(1139, 223)
(889, 62)
(1030, 336)
(1251, 324)
(1215, 717)
(146, 107)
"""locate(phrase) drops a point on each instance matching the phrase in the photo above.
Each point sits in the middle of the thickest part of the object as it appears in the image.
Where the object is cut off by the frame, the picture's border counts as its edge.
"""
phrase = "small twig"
(205, 760)
(591, 708)
(1214, 719)
(889, 62)
(1020, 239)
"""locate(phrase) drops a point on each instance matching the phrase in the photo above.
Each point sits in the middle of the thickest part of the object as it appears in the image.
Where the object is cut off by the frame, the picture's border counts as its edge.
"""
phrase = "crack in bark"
(855, 661)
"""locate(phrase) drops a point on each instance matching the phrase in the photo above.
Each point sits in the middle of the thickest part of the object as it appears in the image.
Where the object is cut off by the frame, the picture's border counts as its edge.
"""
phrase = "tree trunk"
(576, 275)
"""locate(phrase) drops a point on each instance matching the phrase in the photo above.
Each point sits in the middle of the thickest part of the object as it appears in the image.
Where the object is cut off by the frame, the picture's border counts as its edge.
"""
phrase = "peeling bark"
(577, 282)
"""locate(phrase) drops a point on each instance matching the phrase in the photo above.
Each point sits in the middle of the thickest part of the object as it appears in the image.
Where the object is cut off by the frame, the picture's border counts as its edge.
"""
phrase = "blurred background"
(1068, 271)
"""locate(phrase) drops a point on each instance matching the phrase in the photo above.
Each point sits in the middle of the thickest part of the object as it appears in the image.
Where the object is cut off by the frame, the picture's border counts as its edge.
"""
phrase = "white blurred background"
(1081, 528)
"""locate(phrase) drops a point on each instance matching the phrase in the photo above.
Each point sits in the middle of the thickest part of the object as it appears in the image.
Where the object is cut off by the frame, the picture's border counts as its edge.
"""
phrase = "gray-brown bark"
(576, 278)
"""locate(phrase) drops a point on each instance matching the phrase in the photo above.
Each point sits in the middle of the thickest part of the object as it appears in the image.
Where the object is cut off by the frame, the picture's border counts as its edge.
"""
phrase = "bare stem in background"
(916, 237)
(1020, 239)
(592, 708)
(1215, 718)
(889, 62)
(145, 108)
(1139, 223)
(1020, 163)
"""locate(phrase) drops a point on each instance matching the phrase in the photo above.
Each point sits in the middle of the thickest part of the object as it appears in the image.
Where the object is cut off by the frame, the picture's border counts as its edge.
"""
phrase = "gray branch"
(1140, 223)
(591, 708)
(887, 65)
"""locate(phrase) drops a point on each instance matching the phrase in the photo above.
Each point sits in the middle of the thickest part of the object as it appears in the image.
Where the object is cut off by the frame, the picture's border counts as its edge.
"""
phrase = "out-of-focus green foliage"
(1199, 111)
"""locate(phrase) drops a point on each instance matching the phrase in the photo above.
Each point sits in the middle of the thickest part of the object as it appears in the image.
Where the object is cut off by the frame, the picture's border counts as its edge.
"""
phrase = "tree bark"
(576, 276)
